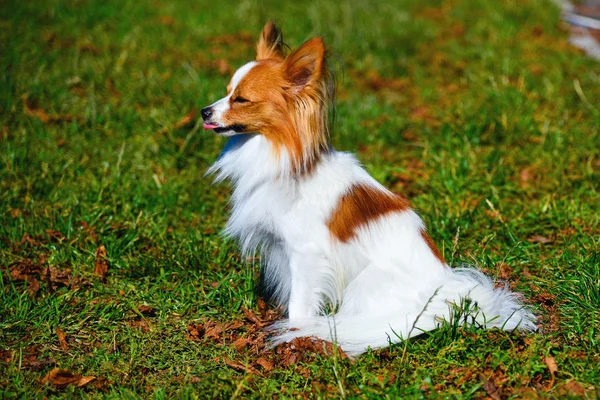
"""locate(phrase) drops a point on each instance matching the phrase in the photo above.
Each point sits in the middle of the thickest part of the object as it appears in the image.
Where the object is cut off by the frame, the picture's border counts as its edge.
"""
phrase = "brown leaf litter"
(30, 358)
(249, 337)
(34, 271)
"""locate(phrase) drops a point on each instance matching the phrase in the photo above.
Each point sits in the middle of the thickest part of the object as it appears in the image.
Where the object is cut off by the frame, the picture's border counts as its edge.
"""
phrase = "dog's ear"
(305, 65)
(270, 44)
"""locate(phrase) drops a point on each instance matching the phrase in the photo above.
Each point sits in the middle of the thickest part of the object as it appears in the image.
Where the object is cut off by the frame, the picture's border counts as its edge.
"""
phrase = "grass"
(480, 111)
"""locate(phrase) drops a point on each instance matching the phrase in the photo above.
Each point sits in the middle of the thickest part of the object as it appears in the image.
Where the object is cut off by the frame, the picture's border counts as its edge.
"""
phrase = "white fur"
(221, 106)
(385, 285)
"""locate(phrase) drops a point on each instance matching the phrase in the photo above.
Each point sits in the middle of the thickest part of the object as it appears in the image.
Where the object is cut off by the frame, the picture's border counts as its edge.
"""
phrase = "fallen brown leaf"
(88, 48)
(539, 239)
(62, 338)
(6, 355)
(263, 362)
(195, 332)
(148, 311)
(59, 277)
(572, 388)
(492, 390)
(55, 235)
(213, 331)
(33, 109)
(234, 325)
(166, 20)
(238, 366)
(101, 265)
(552, 368)
(61, 378)
(250, 316)
(240, 343)
(187, 119)
(262, 307)
(31, 362)
(142, 324)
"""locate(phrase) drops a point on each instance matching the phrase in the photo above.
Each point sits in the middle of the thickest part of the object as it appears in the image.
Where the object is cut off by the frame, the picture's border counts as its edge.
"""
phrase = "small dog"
(349, 260)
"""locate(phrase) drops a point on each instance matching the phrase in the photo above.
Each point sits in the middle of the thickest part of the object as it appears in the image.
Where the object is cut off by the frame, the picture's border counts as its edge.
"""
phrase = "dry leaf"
(240, 344)
(572, 388)
(214, 331)
(62, 338)
(232, 326)
(61, 378)
(101, 267)
(492, 390)
(142, 324)
(238, 366)
(147, 310)
(89, 48)
(188, 119)
(539, 239)
(552, 367)
(55, 235)
(166, 20)
(60, 277)
(551, 364)
(263, 362)
(250, 316)
(33, 109)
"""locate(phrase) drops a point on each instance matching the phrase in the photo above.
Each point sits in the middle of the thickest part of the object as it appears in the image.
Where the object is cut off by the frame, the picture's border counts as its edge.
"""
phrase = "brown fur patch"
(270, 44)
(360, 205)
(434, 249)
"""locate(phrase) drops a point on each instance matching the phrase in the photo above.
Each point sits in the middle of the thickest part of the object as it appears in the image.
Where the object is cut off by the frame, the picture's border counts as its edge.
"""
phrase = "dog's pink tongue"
(209, 126)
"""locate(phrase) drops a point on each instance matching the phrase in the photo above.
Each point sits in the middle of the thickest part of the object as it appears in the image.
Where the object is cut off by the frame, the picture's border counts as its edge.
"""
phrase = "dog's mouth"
(238, 128)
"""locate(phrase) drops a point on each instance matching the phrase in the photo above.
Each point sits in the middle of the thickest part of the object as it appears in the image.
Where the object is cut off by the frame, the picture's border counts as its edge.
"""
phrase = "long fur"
(349, 260)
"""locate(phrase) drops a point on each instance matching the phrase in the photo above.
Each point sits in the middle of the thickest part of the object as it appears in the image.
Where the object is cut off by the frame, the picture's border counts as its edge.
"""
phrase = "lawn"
(111, 263)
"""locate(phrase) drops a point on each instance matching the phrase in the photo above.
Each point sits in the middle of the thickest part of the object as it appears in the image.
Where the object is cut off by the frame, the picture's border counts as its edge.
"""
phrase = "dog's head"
(287, 99)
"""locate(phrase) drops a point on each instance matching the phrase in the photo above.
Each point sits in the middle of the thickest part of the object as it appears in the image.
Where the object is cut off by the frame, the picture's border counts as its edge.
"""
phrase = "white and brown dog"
(330, 236)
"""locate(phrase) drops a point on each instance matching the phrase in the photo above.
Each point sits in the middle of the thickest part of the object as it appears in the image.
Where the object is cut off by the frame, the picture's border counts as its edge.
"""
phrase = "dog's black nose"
(206, 113)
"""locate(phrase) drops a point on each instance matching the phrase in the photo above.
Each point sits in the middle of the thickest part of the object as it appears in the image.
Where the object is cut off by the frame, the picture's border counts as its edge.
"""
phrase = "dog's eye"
(240, 100)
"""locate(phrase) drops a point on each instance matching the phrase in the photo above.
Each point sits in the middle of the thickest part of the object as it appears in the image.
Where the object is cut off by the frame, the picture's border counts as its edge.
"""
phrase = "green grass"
(478, 110)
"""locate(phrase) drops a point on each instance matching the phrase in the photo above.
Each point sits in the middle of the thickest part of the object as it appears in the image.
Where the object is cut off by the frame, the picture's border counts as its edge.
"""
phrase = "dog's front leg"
(305, 295)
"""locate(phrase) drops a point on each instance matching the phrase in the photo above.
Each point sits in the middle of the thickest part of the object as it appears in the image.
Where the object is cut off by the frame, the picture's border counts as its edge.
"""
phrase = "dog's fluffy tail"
(397, 316)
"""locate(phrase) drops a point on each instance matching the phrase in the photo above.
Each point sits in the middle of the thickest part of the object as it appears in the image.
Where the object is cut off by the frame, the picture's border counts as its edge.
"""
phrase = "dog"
(348, 260)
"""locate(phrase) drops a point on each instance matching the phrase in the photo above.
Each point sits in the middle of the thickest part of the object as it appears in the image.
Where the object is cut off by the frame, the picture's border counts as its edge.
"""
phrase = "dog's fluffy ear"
(305, 65)
(270, 44)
